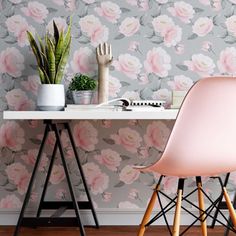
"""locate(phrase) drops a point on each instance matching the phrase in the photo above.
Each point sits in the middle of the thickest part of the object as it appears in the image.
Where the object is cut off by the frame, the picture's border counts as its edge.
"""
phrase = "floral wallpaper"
(158, 46)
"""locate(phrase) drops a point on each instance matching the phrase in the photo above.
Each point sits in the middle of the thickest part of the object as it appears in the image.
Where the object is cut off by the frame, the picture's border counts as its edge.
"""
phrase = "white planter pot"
(82, 97)
(51, 97)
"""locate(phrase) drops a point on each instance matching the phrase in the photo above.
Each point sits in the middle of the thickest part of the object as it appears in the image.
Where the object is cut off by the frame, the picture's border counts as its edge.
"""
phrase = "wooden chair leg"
(149, 209)
(202, 207)
(176, 225)
(230, 207)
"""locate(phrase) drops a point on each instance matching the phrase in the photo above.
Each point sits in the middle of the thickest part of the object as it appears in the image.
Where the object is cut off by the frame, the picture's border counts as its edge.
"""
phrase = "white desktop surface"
(95, 114)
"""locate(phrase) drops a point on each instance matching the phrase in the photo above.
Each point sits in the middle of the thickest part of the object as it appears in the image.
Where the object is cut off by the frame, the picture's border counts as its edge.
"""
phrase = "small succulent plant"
(82, 82)
(51, 55)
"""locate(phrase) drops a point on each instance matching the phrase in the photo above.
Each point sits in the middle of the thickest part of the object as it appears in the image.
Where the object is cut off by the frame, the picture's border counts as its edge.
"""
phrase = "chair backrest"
(203, 139)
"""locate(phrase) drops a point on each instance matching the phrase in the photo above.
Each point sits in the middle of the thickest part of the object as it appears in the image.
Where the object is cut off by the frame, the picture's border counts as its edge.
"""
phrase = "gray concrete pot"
(82, 97)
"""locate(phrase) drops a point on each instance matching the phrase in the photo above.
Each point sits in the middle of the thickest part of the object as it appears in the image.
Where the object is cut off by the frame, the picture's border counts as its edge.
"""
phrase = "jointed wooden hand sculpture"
(104, 59)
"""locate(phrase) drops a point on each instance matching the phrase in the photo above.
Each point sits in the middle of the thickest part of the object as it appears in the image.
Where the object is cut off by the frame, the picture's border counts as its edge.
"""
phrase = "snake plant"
(51, 55)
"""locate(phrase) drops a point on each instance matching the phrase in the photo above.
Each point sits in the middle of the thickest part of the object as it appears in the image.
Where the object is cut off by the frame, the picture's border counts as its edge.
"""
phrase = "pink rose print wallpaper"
(158, 46)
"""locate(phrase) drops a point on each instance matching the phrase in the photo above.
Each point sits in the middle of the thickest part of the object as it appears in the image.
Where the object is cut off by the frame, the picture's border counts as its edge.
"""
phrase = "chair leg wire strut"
(176, 202)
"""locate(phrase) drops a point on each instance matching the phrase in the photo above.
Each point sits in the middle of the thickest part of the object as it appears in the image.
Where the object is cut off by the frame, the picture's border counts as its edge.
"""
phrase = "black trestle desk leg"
(28, 192)
(67, 126)
(218, 206)
(47, 179)
(75, 203)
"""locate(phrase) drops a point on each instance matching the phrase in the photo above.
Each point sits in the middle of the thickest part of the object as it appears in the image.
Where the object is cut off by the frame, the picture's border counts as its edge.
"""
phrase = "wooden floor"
(105, 231)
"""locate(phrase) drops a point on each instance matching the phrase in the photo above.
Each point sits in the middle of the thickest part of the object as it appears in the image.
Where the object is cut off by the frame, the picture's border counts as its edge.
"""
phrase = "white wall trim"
(106, 216)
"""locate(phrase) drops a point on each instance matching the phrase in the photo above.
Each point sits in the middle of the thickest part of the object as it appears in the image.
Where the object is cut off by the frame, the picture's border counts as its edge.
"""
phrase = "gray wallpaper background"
(149, 62)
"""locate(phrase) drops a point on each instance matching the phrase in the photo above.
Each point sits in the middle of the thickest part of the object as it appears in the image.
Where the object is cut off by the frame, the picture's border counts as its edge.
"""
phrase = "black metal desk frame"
(61, 206)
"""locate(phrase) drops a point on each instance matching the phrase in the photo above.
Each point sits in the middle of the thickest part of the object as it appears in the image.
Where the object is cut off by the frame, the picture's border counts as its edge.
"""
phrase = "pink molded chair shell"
(203, 139)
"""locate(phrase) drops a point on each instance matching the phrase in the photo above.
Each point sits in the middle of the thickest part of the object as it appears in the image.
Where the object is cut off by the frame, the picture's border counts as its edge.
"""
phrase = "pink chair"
(202, 143)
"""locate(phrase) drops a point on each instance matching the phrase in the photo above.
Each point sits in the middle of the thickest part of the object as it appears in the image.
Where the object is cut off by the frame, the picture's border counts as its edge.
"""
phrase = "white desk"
(168, 114)
(53, 120)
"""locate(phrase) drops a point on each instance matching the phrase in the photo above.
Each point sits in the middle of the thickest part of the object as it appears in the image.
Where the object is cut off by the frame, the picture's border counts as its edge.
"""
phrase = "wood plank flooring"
(106, 231)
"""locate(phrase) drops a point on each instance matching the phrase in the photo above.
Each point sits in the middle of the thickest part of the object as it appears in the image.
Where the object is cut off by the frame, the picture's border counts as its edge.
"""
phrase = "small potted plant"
(51, 56)
(82, 88)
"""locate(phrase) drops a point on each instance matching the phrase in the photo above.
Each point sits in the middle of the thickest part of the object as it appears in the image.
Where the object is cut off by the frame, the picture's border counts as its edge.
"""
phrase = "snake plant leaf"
(62, 63)
(41, 75)
(56, 32)
(68, 35)
(40, 43)
(51, 61)
(35, 48)
(59, 49)
(45, 63)
(47, 80)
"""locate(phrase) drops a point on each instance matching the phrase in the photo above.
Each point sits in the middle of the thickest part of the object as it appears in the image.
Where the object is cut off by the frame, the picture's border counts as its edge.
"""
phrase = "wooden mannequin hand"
(104, 54)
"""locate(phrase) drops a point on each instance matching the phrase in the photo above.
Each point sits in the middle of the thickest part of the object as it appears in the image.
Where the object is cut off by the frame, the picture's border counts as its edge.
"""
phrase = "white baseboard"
(106, 216)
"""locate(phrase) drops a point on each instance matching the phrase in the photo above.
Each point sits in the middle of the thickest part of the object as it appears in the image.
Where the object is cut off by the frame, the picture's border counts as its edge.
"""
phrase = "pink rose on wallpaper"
(114, 86)
(36, 10)
(10, 202)
(109, 10)
(143, 152)
(201, 64)
(161, 23)
(163, 94)
(89, 24)
(130, 139)
(96, 180)
(127, 205)
(12, 136)
(19, 175)
(183, 11)
(109, 158)
(15, 172)
(18, 99)
(60, 22)
(157, 62)
(99, 35)
(157, 134)
(57, 175)
(132, 95)
(30, 159)
(15, 23)
(233, 1)
(231, 24)
(12, 62)
(180, 83)
(85, 135)
(202, 26)
(227, 61)
(129, 65)
(59, 2)
(19, 26)
(32, 84)
(128, 174)
(129, 26)
(172, 35)
(83, 61)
